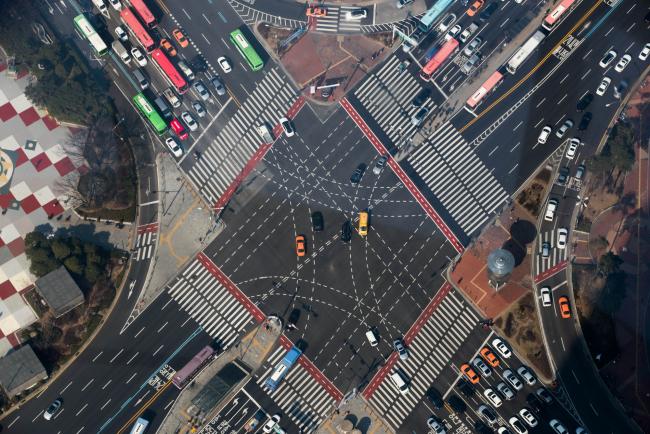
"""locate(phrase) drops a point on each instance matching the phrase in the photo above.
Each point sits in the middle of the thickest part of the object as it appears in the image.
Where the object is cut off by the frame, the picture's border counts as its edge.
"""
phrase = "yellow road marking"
(144, 407)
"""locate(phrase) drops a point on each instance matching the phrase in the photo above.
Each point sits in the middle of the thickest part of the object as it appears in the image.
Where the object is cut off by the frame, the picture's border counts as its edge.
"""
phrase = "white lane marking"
(115, 357)
(97, 356)
(88, 384)
(132, 377)
(65, 388)
(82, 409)
(106, 385)
(136, 335)
(102, 407)
(575, 376)
(159, 348)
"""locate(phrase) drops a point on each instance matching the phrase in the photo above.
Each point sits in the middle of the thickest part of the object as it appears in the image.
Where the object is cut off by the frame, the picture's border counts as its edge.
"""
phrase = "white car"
(558, 427)
(174, 147)
(511, 378)
(271, 423)
(543, 136)
(562, 236)
(138, 56)
(356, 14)
(545, 295)
(444, 24)
(528, 417)
(502, 348)
(436, 426)
(116, 4)
(550, 209)
(121, 34)
(620, 66)
(516, 424)
(493, 397)
(607, 59)
(224, 64)
(602, 87)
(399, 347)
(453, 32)
(189, 121)
(53, 409)
(643, 55)
(528, 376)
(287, 127)
(572, 148)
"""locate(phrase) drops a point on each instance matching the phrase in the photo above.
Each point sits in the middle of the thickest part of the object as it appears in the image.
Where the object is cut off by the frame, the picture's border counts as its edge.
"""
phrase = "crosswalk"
(335, 21)
(145, 241)
(430, 353)
(387, 95)
(237, 142)
(299, 395)
(556, 255)
(458, 178)
(210, 304)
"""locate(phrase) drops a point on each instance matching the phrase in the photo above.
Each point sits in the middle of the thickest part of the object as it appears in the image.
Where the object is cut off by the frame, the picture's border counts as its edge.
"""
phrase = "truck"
(121, 51)
(282, 368)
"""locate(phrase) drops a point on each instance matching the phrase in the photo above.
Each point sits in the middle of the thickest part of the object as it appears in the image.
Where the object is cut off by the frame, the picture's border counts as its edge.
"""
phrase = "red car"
(179, 129)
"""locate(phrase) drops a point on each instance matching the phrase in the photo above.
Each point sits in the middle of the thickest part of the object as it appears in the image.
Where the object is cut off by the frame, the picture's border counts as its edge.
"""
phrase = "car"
(517, 425)
(533, 402)
(456, 404)
(563, 175)
(488, 414)
(379, 165)
(138, 56)
(568, 123)
(287, 127)
(501, 348)
(271, 423)
(471, 63)
(435, 397)
(557, 426)
(469, 373)
(528, 376)
(300, 246)
(551, 207)
(171, 97)
(174, 147)
(421, 97)
(505, 391)
(317, 12)
(121, 34)
(544, 395)
(53, 409)
(356, 14)
(543, 135)
(608, 58)
(565, 310)
(503, 430)
(622, 63)
(472, 46)
(317, 221)
(401, 3)
(584, 102)
(581, 430)
(620, 89)
(492, 397)
(489, 357)
(572, 148)
(358, 174)
(189, 121)
(585, 121)
(488, 11)
(180, 38)
(419, 116)
(444, 24)
(453, 32)
(528, 417)
(198, 108)
(546, 249)
(647, 18)
(466, 387)
(482, 428)
(201, 90)
(218, 86)
(346, 231)
(478, 4)
(562, 236)
(580, 172)
(178, 129)
(436, 426)
(545, 296)
(481, 366)
(116, 4)
(512, 379)
(645, 52)
(168, 47)
(602, 87)
(225, 65)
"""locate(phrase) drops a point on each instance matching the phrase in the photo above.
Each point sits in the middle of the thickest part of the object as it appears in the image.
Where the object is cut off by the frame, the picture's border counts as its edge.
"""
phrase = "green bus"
(87, 30)
(246, 50)
(149, 112)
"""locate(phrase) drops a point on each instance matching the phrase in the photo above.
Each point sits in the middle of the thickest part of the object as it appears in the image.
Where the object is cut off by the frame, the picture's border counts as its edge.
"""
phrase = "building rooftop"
(20, 370)
(60, 291)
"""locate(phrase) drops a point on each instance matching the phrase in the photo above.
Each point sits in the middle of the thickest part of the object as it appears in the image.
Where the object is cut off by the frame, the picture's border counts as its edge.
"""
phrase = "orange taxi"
(168, 47)
(316, 12)
(489, 357)
(180, 37)
(469, 373)
(300, 246)
(565, 310)
(478, 4)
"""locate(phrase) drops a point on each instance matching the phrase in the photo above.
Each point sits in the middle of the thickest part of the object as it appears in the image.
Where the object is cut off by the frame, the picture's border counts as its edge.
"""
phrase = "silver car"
(419, 116)
(201, 90)
(218, 86)
(400, 349)
(198, 108)
(189, 121)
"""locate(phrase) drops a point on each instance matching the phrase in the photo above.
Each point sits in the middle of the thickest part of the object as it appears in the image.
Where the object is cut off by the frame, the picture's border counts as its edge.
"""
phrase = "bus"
(282, 368)
(185, 374)
(144, 13)
(446, 51)
(88, 31)
(554, 17)
(524, 52)
(150, 113)
(137, 30)
(169, 71)
(139, 426)
(490, 84)
(246, 50)
(427, 20)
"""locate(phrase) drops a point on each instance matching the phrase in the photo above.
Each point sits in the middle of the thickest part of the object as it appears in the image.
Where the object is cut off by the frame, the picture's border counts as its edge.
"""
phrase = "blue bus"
(432, 15)
(282, 368)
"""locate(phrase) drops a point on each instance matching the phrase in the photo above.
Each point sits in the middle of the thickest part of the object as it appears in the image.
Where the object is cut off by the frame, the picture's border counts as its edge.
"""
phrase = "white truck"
(121, 51)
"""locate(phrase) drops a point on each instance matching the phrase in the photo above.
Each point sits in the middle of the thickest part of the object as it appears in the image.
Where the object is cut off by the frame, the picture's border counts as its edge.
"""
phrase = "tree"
(613, 294)
(60, 249)
(74, 265)
(609, 263)
(93, 272)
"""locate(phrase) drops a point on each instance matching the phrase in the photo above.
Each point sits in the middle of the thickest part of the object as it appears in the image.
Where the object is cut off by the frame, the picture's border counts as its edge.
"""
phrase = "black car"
(421, 97)
(585, 121)
(482, 428)
(435, 397)
(584, 102)
(346, 231)
(534, 403)
(647, 18)
(488, 11)
(358, 174)
(456, 404)
(317, 221)
(465, 387)
(563, 175)
(294, 316)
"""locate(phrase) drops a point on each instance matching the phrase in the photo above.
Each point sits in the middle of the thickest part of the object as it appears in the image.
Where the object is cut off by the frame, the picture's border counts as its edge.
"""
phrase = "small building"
(20, 370)
(60, 291)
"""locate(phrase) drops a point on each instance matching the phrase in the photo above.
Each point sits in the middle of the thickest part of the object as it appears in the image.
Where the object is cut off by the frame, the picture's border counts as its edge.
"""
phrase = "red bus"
(185, 374)
(169, 71)
(557, 13)
(487, 87)
(448, 48)
(144, 13)
(136, 29)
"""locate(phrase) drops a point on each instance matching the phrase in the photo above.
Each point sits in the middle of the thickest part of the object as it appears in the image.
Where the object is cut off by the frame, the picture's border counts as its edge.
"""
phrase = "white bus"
(522, 54)
(140, 426)
(88, 31)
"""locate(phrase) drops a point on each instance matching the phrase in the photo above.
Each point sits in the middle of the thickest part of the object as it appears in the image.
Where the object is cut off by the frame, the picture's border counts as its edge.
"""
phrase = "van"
(141, 79)
(172, 98)
(469, 31)
(186, 70)
(100, 5)
(121, 51)
(363, 223)
(163, 107)
(372, 338)
(398, 380)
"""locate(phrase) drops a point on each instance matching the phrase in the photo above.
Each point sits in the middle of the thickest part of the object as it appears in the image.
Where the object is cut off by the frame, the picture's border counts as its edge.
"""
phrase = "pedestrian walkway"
(300, 395)
(387, 96)
(556, 256)
(430, 352)
(145, 242)
(237, 142)
(458, 178)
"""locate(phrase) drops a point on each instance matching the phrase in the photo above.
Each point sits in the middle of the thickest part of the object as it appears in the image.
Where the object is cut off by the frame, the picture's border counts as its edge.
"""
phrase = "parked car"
(435, 398)
(437, 426)
(620, 89)
(563, 175)
(622, 63)
(551, 207)
(505, 391)
(488, 11)
(645, 52)
(478, 4)
(469, 373)
(501, 348)
(543, 135)
(572, 148)
(512, 379)
(528, 376)
(585, 121)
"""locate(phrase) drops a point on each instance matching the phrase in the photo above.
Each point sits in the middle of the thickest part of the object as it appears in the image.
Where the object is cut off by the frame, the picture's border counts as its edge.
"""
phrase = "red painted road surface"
(314, 371)
(551, 271)
(231, 287)
(151, 227)
(408, 338)
(257, 157)
(424, 203)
